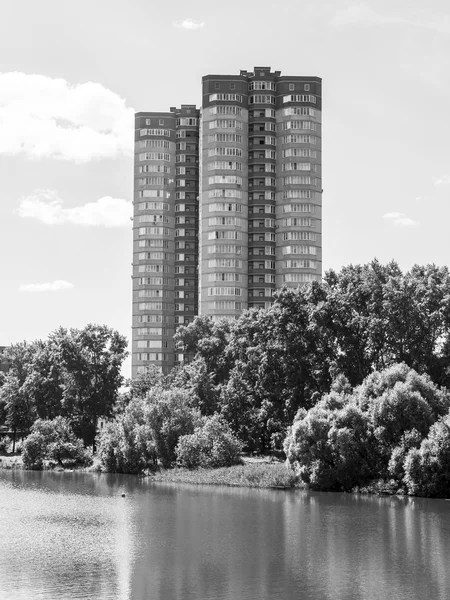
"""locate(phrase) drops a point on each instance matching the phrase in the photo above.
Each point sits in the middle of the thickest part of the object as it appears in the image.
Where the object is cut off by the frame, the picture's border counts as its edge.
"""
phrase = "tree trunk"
(14, 440)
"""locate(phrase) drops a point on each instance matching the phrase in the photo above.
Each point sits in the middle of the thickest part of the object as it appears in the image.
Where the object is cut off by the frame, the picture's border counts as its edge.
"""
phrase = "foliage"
(427, 469)
(147, 432)
(75, 374)
(211, 445)
(347, 439)
(259, 370)
(55, 441)
(125, 444)
(169, 414)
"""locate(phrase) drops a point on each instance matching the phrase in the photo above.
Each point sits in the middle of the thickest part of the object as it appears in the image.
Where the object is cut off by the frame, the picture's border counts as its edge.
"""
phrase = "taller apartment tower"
(227, 204)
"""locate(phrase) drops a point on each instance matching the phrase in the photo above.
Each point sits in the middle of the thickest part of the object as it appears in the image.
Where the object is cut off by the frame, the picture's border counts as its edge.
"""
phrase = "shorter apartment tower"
(165, 228)
(227, 205)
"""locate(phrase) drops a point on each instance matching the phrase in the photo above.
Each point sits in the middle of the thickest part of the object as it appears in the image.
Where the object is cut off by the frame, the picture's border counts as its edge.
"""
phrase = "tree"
(169, 415)
(351, 437)
(92, 358)
(211, 445)
(427, 469)
(53, 440)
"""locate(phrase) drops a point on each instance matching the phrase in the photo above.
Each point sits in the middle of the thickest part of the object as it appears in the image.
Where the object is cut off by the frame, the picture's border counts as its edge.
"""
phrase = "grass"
(250, 474)
(255, 473)
(11, 462)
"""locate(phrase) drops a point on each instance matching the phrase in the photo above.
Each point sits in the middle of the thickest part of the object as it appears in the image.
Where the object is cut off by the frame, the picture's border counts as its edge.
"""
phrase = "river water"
(73, 535)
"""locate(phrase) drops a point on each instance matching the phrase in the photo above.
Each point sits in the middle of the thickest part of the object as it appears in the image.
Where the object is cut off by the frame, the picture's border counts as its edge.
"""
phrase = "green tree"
(168, 415)
(211, 445)
(53, 440)
(427, 469)
(92, 358)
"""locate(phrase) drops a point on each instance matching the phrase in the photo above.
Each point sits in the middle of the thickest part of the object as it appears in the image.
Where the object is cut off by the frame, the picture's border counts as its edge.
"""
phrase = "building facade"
(227, 204)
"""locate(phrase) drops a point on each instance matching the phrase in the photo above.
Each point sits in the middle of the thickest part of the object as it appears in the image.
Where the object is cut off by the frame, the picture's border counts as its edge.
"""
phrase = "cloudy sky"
(73, 73)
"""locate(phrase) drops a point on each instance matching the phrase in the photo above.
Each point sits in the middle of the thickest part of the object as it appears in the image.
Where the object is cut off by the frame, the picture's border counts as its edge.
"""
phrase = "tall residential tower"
(227, 204)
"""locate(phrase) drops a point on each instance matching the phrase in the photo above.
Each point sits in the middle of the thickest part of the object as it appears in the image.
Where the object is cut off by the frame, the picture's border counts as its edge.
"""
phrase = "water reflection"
(74, 536)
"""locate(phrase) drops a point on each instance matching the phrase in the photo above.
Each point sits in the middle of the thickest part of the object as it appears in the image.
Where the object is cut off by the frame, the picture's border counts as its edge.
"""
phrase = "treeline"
(259, 370)
(74, 374)
(347, 377)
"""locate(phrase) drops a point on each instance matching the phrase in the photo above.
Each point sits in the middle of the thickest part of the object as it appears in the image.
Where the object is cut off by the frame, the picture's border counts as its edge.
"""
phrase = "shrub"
(55, 441)
(125, 445)
(4, 445)
(212, 445)
(168, 416)
(347, 439)
(427, 469)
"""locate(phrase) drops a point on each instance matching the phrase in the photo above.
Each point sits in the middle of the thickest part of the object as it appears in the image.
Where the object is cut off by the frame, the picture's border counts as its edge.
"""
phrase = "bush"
(212, 445)
(427, 469)
(54, 441)
(352, 437)
(125, 445)
(4, 445)
(168, 416)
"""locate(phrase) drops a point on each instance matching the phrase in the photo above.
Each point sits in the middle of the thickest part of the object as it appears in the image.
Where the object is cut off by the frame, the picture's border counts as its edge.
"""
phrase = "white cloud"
(47, 207)
(401, 219)
(189, 24)
(54, 286)
(441, 180)
(43, 117)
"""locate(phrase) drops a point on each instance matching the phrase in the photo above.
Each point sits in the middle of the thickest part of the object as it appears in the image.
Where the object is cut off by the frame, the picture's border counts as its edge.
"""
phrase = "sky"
(72, 74)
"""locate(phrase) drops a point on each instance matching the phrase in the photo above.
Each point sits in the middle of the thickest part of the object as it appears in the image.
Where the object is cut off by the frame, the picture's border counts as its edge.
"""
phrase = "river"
(65, 536)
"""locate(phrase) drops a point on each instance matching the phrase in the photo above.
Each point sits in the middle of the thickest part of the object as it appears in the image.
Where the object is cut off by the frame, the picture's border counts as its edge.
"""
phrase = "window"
(300, 264)
(291, 87)
(225, 124)
(299, 139)
(298, 222)
(261, 85)
(156, 144)
(154, 156)
(299, 277)
(225, 97)
(233, 179)
(306, 111)
(299, 152)
(224, 277)
(224, 235)
(299, 125)
(299, 250)
(224, 249)
(298, 208)
(154, 169)
(217, 86)
(225, 137)
(261, 99)
(299, 235)
(225, 207)
(224, 291)
(225, 262)
(224, 152)
(164, 132)
(152, 205)
(299, 98)
(224, 165)
(306, 87)
(232, 86)
(226, 110)
(187, 122)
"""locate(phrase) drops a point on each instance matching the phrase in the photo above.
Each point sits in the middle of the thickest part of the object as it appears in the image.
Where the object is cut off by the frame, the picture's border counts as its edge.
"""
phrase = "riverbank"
(256, 473)
(250, 474)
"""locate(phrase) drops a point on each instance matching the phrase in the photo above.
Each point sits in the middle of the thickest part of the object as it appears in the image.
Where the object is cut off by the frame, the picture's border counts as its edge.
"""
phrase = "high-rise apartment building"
(227, 204)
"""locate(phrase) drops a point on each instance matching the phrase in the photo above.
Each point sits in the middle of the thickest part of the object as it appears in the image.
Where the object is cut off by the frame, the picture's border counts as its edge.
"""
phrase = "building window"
(217, 86)
(232, 86)
(307, 87)
(291, 87)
